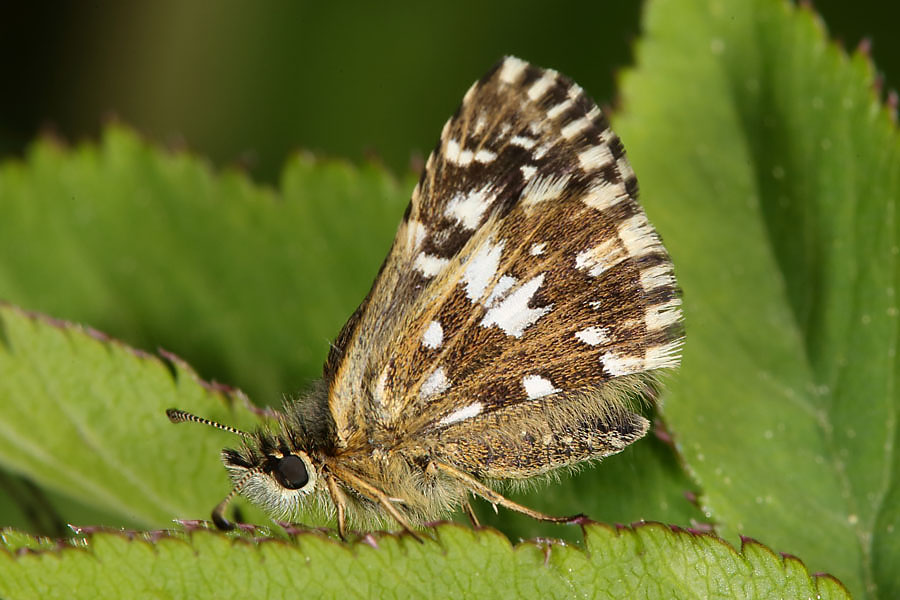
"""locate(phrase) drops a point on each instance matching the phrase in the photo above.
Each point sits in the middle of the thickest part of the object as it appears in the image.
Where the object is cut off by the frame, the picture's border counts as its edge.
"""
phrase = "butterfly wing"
(525, 282)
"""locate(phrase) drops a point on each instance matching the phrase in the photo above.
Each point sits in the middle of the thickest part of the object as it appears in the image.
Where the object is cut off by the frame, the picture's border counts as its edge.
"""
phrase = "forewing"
(524, 268)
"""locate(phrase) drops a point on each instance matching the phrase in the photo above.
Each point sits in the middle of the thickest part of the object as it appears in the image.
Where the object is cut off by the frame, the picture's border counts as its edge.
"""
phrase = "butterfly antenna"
(179, 416)
(218, 513)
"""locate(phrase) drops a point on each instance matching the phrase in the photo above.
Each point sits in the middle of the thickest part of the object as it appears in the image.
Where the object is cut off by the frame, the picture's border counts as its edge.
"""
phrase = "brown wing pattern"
(523, 269)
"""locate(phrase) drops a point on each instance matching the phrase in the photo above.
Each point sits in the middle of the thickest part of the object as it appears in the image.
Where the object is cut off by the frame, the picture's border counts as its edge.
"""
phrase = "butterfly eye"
(291, 473)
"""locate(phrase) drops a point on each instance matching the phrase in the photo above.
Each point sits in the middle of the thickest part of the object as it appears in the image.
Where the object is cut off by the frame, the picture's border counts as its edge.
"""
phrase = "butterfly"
(524, 313)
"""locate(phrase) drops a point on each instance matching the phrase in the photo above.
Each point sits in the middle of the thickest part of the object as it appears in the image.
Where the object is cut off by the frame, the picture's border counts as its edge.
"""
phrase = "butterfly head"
(273, 471)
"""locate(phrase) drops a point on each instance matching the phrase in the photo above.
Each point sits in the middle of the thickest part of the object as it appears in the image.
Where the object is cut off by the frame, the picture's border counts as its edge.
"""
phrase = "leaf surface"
(650, 561)
(771, 169)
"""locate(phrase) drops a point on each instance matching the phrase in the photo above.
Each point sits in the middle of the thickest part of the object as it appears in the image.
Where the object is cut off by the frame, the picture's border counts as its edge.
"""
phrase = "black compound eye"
(291, 472)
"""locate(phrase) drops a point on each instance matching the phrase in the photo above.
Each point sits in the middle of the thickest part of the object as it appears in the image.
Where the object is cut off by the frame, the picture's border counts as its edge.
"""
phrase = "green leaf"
(247, 283)
(767, 163)
(84, 415)
(650, 561)
(250, 284)
(771, 169)
(27, 506)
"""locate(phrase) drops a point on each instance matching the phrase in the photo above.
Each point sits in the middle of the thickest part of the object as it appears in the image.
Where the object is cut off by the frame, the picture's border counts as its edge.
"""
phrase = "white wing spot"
(600, 258)
(540, 189)
(536, 386)
(433, 336)
(624, 167)
(617, 365)
(481, 269)
(663, 315)
(658, 276)
(593, 336)
(522, 142)
(484, 156)
(605, 195)
(575, 127)
(537, 249)
(503, 286)
(575, 91)
(467, 412)
(541, 151)
(468, 209)
(528, 171)
(455, 154)
(540, 87)
(513, 315)
(436, 383)
(428, 264)
(638, 236)
(595, 157)
(512, 69)
(451, 150)
(559, 108)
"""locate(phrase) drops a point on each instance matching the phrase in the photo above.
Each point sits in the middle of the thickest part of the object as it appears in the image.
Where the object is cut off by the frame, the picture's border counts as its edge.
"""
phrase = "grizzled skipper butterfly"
(524, 307)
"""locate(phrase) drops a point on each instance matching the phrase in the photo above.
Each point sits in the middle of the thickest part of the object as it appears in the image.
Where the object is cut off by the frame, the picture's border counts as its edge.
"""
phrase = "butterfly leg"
(337, 496)
(374, 493)
(476, 487)
(473, 518)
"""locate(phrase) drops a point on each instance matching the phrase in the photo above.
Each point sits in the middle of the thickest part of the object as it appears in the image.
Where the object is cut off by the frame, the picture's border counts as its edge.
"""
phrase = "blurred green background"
(247, 83)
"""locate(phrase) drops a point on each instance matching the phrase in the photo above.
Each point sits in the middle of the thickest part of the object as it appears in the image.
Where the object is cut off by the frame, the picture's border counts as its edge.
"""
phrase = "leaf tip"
(864, 47)
(662, 433)
(892, 102)
(786, 556)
